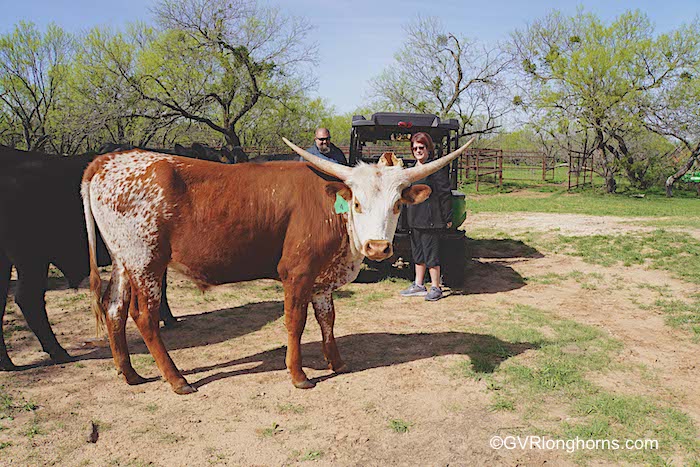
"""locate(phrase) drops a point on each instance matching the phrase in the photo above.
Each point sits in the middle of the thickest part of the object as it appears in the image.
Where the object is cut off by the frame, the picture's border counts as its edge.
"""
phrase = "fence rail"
(480, 165)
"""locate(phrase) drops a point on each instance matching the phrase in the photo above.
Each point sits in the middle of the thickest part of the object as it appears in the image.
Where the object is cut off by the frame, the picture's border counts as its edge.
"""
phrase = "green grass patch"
(399, 426)
(73, 299)
(680, 314)
(270, 431)
(142, 362)
(675, 222)
(308, 455)
(33, 430)
(502, 403)
(6, 402)
(587, 280)
(9, 406)
(10, 329)
(676, 252)
(590, 203)
(311, 455)
(291, 408)
(557, 372)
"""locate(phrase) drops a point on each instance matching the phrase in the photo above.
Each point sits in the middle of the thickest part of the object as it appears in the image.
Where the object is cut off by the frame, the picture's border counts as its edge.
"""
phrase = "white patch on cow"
(118, 288)
(342, 269)
(376, 189)
(127, 207)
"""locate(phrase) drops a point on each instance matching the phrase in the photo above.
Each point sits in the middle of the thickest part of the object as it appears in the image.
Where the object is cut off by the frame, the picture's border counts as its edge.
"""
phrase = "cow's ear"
(415, 194)
(389, 159)
(340, 188)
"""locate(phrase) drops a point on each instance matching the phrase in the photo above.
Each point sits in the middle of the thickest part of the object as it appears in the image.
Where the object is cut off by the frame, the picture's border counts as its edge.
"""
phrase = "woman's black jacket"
(436, 211)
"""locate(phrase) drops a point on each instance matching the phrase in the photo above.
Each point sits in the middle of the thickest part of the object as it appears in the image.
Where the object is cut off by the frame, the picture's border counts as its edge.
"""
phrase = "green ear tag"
(341, 206)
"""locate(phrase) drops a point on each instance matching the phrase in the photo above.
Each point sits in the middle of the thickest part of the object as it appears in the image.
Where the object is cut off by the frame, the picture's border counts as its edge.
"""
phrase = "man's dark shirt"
(334, 155)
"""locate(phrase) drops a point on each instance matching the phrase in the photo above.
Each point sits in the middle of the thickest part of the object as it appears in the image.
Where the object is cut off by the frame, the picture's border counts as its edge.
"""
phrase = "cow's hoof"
(7, 365)
(186, 389)
(341, 369)
(61, 357)
(305, 384)
(132, 379)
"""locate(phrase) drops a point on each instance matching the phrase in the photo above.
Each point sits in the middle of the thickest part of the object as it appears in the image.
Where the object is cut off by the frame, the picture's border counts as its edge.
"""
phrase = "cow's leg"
(297, 294)
(166, 316)
(31, 287)
(5, 272)
(146, 318)
(324, 310)
(116, 299)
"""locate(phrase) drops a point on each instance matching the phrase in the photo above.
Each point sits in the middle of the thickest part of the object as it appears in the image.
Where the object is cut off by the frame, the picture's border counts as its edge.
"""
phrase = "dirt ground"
(402, 351)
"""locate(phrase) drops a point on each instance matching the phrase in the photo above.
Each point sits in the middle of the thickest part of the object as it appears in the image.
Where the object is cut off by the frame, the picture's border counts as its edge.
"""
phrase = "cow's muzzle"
(377, 250)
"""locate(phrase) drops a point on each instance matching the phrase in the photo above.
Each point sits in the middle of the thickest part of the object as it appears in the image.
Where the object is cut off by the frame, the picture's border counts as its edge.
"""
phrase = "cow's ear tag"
(341, 205)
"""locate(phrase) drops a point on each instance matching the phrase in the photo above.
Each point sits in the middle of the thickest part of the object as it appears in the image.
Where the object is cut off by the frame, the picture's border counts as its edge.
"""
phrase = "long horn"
(331, 168)
(419, 171)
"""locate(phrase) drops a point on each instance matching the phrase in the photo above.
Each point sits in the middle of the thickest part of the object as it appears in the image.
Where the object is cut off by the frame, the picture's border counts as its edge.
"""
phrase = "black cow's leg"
(166, 316)
(5, 271)
(31, 287)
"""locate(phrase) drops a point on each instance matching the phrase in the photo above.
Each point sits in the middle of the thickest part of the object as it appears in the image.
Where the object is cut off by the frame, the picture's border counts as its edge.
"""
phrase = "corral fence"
(497, 165)
(486, 165)
(581, 169)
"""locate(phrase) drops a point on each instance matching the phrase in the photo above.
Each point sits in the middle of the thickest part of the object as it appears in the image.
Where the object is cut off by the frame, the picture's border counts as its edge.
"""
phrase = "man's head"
(323, 140)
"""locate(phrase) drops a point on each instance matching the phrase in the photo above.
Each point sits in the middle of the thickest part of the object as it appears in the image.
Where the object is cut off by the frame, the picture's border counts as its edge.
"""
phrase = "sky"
(357, 39)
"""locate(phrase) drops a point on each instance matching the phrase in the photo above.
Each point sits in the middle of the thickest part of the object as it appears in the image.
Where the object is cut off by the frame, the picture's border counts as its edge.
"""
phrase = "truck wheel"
(454, 261)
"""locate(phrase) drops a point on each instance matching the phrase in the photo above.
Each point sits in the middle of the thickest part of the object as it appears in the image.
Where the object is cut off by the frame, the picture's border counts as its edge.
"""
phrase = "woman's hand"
(449, 225)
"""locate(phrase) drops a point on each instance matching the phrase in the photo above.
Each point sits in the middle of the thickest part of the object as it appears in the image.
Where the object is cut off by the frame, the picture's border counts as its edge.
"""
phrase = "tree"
(104, 107)
(215, 60)
(674, 112)
(295, 119)
(32, 78)
(577, 71)
(440, 72)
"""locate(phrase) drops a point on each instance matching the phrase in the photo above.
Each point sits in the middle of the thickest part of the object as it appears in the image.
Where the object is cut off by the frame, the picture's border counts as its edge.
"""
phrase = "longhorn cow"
(284, 221)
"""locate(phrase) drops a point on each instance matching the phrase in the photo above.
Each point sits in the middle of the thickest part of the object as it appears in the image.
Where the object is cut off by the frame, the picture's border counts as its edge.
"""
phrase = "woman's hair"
(425, 140)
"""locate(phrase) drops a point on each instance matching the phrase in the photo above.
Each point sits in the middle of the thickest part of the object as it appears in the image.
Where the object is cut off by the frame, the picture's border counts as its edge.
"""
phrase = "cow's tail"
(95, 281)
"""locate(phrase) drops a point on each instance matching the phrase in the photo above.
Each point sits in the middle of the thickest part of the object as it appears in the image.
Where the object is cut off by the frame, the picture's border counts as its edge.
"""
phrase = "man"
(325, 149)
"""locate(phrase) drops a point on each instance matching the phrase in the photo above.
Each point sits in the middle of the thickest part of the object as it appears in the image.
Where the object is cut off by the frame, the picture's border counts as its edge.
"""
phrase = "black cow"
(196, 151)
(41, 222)
(275, 157)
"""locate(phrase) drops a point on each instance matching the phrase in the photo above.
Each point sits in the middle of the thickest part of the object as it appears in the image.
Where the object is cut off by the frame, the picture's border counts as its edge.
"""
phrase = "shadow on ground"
(198, 330)
(488, 271)
(375, 350)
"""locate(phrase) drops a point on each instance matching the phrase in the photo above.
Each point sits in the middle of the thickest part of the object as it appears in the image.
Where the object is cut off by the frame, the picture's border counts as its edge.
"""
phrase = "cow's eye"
(358, 208)
(397, 207)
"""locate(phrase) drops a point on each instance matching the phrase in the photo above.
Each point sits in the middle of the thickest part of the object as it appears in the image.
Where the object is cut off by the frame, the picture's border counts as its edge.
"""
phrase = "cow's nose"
(377, 250)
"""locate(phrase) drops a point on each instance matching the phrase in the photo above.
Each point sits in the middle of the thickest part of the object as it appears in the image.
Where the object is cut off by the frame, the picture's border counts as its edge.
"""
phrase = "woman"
(426, 220)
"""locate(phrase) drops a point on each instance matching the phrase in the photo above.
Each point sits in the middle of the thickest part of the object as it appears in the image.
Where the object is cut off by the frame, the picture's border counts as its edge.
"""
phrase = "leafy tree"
(295, 119)
(32, 79)
(104, 105)
(216, 60)
(437, 71)
(674, 110)
(582, 74)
